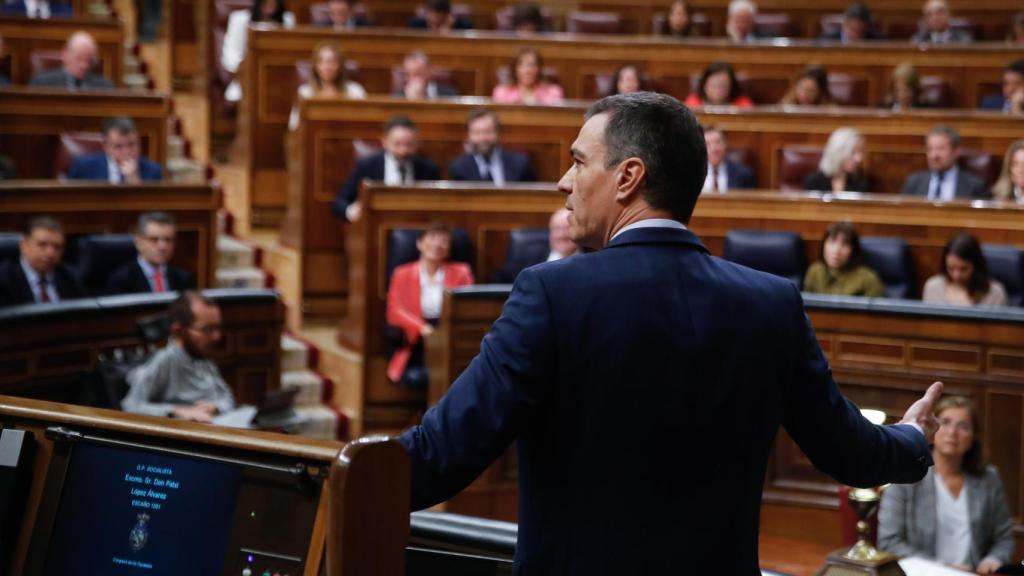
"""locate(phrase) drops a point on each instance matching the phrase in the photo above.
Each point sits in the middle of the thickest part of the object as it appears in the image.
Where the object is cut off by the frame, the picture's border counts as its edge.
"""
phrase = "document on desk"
(915, 566)
(240, 417)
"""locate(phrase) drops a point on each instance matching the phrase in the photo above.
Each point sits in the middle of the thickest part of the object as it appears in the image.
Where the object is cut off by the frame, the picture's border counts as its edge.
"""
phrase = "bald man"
(559, 240)
(79, 56)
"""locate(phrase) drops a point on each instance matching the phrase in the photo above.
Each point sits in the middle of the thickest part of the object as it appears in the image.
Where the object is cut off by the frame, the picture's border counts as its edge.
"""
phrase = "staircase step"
(137, 82)
(186, 171)
(241, 278)
(310, 386)
(175, 148)
(232, 254)
(321, 422)
(294, 354)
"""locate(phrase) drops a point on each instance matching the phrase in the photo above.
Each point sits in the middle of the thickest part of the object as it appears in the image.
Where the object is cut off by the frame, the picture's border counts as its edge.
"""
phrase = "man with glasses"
(180, 380)
(150, 272)
(120, 162)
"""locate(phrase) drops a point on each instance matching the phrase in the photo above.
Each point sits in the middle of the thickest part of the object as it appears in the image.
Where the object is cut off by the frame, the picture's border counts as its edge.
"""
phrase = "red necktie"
(44, 293)
(158, 280)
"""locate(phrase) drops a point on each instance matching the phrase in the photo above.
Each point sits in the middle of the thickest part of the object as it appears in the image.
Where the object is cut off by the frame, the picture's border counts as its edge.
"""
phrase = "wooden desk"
(32, 120)
(884, 353)
(98, 208)
(341, 486)
(46, 350)
(23, 36)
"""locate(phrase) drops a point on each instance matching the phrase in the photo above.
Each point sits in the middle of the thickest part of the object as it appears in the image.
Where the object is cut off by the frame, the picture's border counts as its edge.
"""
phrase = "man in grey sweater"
(180, 380)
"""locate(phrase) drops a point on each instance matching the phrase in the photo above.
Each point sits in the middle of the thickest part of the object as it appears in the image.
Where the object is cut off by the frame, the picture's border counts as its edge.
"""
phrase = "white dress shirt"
(431, 293)
(652, 223)
(953, 524)
(720, 174)
(114, 175)
(492, 170)
(393, 170)
(33, 282)
(233, 49)
(948, 189)
(37, 9)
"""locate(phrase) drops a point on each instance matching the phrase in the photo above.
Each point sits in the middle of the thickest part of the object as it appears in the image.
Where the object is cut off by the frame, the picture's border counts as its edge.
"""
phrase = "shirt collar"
(652, 223)
(148, 269)
(437, 278)
(32, 276)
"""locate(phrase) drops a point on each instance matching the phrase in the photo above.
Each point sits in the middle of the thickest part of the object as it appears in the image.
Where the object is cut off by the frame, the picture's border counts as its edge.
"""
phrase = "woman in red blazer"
(414, 298)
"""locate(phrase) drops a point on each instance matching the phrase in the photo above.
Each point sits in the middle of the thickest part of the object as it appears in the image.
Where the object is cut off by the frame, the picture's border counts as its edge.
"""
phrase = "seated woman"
(904, 89)
(1010, 185)
(809, 89)
(678, 22)
(414, 301)
(719, 87)
(237, 35)
(958, 513)
(964, 279)
(529, 87)
(327, 78)
(628, 79)
(842, 164)
(841, 270)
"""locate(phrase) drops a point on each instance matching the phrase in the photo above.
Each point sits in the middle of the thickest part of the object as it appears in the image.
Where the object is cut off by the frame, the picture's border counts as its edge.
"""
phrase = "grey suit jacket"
(907, 518)
(57, 78)
(967, 185)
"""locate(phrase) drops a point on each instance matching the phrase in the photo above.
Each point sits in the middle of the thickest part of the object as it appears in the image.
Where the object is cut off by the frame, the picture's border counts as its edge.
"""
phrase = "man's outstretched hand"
(922, 412)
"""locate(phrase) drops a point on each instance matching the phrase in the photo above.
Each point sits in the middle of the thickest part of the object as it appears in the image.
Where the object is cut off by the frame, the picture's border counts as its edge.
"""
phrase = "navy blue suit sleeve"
(458, 169)
(831, 430)
(77, 169)
(150, 170)
(430, 170)
(348, 192)
(481, 414)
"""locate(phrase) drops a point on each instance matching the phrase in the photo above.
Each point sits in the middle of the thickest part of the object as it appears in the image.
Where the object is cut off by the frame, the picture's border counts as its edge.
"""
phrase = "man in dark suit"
(644, 383)
(37, 275)
(485, 160)
(1012, 98)
(856, 26)
(121, 161)
(944, 180)
(42, 9)
(723, 174)
(418, 81)
(341, 16)
(78, 57)
(937, 28)
(399, 163)
(437, 17)
(150, 272)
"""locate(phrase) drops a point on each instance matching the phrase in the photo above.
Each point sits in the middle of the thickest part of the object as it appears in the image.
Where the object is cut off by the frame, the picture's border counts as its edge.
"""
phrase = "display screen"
(125, 511)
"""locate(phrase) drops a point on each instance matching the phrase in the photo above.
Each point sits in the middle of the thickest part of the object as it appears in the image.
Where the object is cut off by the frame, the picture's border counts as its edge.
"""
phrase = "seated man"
(937, 27)
(397, 164)
(342, 16)
(38, 275)
(1012, 100)
(42, 9)
(485, 160)
(79, 55)
(559, 240)
(723, 174)
(154, 240)
(419, 79)
(856, 26)
(944, 180)
(559, 245)
(180, 380)
(121, 162)
(438, 18)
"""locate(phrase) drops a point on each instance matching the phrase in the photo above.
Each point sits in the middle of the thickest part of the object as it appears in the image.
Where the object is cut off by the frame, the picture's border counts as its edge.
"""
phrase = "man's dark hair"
(399, 122)
(45, 222)
(858, 11)
(527, 13)
(478, 113)
(948, 132)
(154, 218)
(665, 135)
(439, 6)
(180, 312)
(1015, 66)
(119, 124)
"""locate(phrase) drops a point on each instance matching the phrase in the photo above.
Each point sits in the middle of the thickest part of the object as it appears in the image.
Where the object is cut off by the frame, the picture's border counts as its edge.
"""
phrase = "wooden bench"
(25, 36)
(883, 353)
(99, 208)
(32, 120)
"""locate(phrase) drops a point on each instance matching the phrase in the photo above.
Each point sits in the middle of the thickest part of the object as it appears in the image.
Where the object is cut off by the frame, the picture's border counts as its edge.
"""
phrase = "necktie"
(44, 292)
(714, 179)
(158, 280)
(936, 191)
(406, 176)
(485, 169)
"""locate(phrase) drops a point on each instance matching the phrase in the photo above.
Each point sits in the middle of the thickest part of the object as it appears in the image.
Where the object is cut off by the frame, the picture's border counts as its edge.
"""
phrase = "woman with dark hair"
(809, 89)
(529, 86)
(327, 78)
(958, 513)
(233, 50)
(719, 87)
(840, 269)
(964, 278)
(628, 79)
(678, 21)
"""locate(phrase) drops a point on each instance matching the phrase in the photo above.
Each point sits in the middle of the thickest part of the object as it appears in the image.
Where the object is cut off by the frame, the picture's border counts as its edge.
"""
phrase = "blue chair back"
(402, 249)
(778, 253)
(100, 255)
(890, 258)
(1006, 264)
(526, 247)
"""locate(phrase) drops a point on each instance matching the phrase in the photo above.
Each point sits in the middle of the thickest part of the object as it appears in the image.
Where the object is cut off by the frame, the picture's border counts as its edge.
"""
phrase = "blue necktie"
(936, 191)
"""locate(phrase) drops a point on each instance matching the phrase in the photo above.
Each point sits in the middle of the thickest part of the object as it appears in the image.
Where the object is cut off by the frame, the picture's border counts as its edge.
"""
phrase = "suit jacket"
(443, 90)
(95, 167)
(967, 185)
(56, 9)
(822, 183)
(130, 279)
(740, 177)
(643, 385)
(907, 518)
(957, 35)
(993, 102)
(14, 288)
(58, 79)
(404, 311)
(517, 167)
(461, 23)
(372, 168)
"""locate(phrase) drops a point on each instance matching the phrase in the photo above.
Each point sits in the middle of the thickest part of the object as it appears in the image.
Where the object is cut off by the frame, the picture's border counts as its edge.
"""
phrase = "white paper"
(915, 566)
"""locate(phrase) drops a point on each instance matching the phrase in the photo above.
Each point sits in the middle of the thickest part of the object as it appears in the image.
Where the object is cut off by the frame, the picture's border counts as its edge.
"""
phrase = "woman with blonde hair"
(904, 88)
(1010, 185)
(842, 164)
(326, 78)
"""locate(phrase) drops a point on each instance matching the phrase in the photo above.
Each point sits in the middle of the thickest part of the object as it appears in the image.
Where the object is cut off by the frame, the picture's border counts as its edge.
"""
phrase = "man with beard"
(485, 160)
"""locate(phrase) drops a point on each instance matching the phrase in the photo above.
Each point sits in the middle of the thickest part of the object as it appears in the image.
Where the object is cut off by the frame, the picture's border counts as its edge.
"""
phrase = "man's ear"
(629, 179)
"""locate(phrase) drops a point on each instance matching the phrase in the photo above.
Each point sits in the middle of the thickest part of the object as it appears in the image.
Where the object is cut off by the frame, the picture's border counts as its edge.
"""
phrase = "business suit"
(967, 185)
(57, 9)
(459, 23)
(95, 167)
(907, 518)
(740, 177)
(14, 288)
(441, 91)
(517, 168)
(130, 279)
(59, 79)
(822, 183)
(956, 36)
(643, 385)
(994, 102)
(372, 168)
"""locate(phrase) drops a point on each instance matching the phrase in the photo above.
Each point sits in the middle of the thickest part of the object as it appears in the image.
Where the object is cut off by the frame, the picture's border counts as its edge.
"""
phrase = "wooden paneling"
(98, 208)
(32, 120)
(23, 36)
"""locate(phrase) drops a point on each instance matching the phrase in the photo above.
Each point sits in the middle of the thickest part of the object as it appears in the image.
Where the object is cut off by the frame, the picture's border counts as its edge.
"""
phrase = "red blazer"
(694, 101)
(404, 311)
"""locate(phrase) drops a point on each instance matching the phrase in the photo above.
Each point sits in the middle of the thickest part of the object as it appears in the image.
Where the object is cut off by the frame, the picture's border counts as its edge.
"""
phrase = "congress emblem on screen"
(139, 535)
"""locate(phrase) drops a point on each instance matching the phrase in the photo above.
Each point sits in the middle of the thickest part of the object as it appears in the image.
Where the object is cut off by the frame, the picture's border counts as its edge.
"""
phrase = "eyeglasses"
(964, 427)
(159, 239)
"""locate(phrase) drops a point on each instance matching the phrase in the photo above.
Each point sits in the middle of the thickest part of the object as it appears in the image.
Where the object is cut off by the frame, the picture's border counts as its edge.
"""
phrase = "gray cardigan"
(906, 518)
